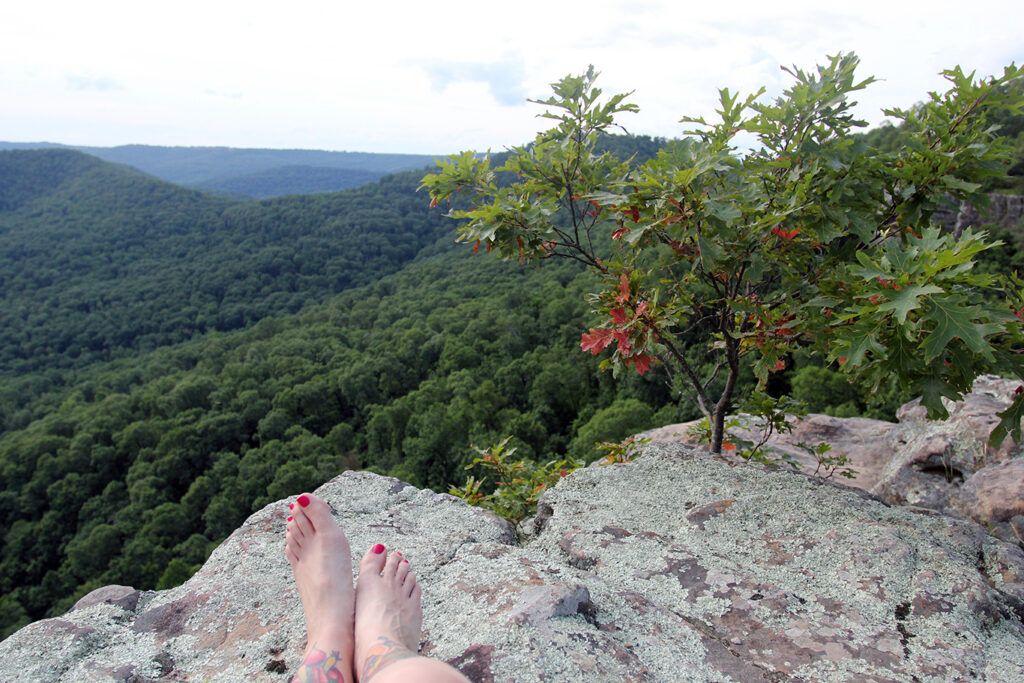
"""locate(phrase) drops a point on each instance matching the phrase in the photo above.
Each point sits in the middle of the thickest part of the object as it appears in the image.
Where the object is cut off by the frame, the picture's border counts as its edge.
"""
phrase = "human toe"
(373, 561)
(401, 571)
(391, 565)
(409, 583)
(315, 509)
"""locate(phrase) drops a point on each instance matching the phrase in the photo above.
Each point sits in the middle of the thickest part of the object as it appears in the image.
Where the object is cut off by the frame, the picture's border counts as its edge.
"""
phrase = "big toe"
(373, 561)
(315, 510)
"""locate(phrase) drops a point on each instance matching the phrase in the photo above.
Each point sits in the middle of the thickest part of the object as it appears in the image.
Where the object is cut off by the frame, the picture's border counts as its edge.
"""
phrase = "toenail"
(377, 549)
(303, 500)
(291, 505)
(289, 519)
(406, 561)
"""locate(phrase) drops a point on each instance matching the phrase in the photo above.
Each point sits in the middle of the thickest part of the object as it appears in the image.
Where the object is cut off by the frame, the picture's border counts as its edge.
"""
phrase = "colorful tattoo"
(385, 653)
(319, 667)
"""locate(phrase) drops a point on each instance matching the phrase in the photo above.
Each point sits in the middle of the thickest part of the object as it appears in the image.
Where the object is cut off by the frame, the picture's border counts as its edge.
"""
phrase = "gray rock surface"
(678, 566)
(1005, 210)
(944, 465)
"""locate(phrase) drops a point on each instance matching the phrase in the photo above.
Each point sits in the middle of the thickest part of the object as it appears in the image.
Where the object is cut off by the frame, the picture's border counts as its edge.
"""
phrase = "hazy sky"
(442, 76)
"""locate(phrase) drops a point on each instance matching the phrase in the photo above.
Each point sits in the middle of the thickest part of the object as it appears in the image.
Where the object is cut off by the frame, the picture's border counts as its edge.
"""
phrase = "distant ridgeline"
(252, 173)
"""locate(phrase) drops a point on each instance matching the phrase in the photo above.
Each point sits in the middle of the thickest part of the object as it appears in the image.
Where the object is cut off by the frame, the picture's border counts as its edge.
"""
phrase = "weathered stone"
(678, 566)
(862, 440)
(945, 465)
(1005, 210)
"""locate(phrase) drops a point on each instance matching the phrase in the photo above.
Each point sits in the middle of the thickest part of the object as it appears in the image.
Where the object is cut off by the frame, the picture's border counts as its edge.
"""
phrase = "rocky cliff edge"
(679, 566)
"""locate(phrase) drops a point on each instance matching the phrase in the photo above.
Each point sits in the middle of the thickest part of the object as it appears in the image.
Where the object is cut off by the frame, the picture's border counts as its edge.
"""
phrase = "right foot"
(388, 613)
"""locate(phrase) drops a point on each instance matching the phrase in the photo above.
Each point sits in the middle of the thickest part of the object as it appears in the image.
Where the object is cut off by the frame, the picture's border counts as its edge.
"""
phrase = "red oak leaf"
(618, 234)
(641, 309)
(728, 446)
(642, 362)
(597, 340)
(619, 316)
(623, 289)
(785, 234)
(624, 345)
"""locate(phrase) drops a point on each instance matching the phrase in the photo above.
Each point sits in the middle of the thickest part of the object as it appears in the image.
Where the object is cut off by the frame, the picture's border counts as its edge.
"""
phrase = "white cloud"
(439, 77)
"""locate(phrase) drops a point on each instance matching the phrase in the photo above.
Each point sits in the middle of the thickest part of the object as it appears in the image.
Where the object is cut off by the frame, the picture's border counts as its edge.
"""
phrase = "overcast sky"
(443, 76)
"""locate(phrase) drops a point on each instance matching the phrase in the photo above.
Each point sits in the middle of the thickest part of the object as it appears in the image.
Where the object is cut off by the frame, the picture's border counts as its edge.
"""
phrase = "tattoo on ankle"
(383, 654)
(320, 667)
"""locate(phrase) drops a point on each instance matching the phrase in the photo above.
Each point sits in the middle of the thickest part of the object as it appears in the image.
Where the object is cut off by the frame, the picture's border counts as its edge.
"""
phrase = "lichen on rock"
(677, 566)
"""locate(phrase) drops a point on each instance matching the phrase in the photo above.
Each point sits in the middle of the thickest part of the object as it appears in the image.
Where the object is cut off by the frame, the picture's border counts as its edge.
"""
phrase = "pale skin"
(371, 632)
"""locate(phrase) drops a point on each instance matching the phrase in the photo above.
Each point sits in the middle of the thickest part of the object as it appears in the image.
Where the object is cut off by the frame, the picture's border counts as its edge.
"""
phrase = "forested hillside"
(284, 180)
(99, 261)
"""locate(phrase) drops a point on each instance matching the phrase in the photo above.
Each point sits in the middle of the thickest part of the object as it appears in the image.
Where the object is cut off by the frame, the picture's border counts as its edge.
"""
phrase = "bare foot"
(322, 564)
(388, 613)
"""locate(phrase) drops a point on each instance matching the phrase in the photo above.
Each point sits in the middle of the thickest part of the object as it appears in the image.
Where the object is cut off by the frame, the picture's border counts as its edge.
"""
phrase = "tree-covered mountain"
(98, 260)
(285, 180)
(219, 168)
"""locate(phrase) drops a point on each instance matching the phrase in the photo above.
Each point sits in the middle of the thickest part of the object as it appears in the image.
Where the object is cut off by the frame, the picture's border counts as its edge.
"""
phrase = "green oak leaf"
(1009, 423)
(905, 300)
(953, 319)
(932, 390)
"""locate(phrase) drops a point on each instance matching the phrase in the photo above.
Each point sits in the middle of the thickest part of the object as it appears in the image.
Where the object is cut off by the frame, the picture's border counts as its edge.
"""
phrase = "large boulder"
(944, 465)
(863, 441)
(678, 566)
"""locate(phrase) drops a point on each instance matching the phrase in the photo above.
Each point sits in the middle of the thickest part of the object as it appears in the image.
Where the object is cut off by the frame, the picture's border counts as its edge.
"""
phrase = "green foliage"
(177, 573)
(810, 240)
(828, 465)
(622, 418)
(517, 485)
(626, 450)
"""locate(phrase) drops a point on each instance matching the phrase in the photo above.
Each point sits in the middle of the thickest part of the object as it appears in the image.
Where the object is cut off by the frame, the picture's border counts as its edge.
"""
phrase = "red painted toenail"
(291, 506)
(377, 549)
(406, 561)
(303, 500)
(289, 519)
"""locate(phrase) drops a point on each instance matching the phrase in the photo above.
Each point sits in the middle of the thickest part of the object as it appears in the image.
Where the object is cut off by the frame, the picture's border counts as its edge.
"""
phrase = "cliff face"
(1005, 210)
(677, 566)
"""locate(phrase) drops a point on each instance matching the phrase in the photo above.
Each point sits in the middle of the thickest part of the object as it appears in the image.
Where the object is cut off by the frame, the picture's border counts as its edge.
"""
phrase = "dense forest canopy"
(98, 261)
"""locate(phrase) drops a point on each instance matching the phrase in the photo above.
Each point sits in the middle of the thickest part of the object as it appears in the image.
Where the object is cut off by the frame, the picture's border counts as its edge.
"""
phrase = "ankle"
(380, 654)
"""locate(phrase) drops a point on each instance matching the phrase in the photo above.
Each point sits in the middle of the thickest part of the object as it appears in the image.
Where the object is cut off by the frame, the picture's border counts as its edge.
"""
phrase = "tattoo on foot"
(319, 667)
(385, 653)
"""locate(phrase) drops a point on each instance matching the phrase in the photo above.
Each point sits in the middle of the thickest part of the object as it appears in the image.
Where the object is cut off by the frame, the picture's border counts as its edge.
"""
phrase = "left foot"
(322, 564)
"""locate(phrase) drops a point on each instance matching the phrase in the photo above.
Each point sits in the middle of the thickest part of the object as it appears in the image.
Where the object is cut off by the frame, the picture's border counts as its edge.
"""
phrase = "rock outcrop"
(1004, 210)
(678, 566)
(946, 466)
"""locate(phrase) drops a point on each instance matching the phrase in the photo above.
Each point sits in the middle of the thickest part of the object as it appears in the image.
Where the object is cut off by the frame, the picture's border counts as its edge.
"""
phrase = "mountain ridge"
(203, 166)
